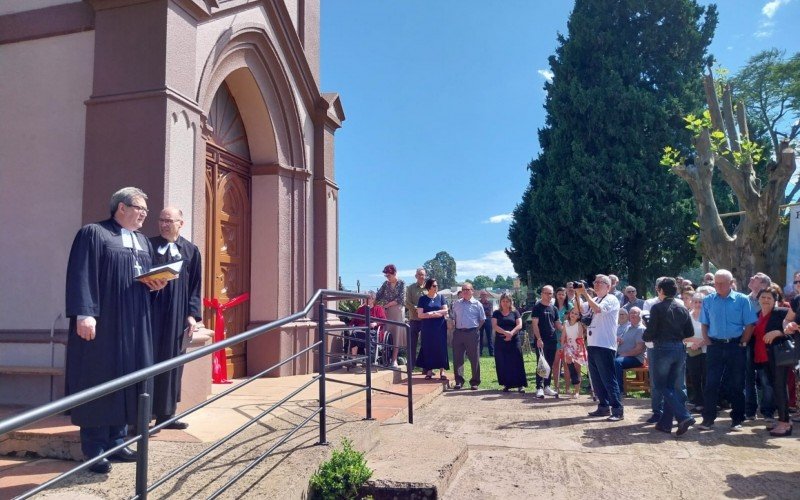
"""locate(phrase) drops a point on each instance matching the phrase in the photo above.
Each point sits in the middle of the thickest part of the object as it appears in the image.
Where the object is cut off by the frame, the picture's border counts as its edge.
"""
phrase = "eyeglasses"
(797, 282)
(547, 293)
(434, 286)
(143, 210)
(169, 221)
(467, 289)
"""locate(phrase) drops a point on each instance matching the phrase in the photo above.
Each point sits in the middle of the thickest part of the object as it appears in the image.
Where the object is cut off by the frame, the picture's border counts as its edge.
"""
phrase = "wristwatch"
(742, 344)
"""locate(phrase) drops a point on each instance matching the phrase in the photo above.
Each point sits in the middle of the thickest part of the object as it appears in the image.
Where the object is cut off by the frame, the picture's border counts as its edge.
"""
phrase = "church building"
(212, 106)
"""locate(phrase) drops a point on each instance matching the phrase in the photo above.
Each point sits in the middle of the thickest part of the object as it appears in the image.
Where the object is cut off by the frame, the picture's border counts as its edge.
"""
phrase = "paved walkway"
(521, 447)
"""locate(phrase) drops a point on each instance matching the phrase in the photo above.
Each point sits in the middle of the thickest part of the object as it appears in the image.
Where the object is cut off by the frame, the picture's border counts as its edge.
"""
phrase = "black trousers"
(549, 350)
(696, 374)
(777, 377)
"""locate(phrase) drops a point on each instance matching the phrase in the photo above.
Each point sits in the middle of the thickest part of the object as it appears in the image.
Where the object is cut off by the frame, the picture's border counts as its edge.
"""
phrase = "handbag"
(785, 352)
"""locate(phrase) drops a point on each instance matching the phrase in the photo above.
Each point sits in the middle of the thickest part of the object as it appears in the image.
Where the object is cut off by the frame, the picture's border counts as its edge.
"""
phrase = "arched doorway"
(228, 213)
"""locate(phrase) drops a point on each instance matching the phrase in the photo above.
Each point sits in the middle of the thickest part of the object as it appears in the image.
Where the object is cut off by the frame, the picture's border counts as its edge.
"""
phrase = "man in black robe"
(110, 326)
(175, 308)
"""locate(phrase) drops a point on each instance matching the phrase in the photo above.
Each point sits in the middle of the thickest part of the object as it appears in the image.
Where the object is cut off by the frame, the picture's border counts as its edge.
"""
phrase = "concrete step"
(285, 475)
(412, 463)
(56, 437)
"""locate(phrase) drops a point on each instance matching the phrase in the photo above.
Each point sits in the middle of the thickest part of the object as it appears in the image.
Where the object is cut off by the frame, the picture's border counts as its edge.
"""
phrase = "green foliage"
(481, 282)
(751, 152)
(342, 475)
(443, 268)
(769, 86)
(671, 157)
(625, 75)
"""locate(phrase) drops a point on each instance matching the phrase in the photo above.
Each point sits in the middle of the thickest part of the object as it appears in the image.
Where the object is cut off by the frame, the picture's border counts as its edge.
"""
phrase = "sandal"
(428, 377)
(442, 377)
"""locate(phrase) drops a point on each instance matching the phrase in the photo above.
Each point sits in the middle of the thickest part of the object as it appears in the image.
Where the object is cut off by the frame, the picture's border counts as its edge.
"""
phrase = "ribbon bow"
(219, 368)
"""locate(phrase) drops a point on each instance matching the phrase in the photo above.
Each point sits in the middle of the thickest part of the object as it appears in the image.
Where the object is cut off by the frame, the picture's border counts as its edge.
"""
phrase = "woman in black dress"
(507, 323)
(432, 310)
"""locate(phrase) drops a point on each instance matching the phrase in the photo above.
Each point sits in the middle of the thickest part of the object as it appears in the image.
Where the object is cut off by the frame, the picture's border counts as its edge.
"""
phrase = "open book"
(166, 272)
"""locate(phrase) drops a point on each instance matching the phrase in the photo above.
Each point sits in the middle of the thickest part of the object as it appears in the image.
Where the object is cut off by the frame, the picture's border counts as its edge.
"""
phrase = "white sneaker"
(540, 393)
(549, 392)
(394, 365)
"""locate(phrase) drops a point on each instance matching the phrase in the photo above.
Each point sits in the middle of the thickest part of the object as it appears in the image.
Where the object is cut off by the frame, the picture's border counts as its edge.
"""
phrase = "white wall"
(45, 84)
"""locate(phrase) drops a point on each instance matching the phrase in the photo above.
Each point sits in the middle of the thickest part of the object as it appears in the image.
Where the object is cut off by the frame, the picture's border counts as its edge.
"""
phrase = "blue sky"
(443, 101)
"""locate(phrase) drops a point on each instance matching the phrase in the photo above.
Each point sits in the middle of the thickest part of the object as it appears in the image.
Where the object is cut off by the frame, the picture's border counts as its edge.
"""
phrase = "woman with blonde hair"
(506, 324)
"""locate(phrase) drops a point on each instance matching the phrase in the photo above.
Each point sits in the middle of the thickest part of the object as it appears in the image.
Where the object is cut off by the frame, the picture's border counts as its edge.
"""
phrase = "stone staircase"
(408, 462)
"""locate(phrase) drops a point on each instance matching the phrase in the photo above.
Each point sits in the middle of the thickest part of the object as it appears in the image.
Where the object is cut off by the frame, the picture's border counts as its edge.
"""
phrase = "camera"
(578, 284)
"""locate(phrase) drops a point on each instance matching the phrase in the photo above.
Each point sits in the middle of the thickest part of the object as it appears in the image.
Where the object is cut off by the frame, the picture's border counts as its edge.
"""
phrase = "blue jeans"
(604, 378)
(724, 363)
(668, 369)
(622, 363)
(767, 392)
(486, 333)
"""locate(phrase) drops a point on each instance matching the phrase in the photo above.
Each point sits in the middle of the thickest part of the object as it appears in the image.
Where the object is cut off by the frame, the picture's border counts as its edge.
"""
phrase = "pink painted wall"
(41, 171)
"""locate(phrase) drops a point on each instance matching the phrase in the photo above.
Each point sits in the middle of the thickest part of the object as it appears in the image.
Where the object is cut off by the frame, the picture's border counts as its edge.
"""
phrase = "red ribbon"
(219, 368)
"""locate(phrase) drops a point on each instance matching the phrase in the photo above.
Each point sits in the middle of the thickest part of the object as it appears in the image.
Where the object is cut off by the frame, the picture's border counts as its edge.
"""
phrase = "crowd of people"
(728, 345)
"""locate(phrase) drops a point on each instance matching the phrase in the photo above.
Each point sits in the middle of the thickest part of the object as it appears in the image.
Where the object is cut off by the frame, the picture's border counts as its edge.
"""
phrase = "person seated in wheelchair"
(357, 336)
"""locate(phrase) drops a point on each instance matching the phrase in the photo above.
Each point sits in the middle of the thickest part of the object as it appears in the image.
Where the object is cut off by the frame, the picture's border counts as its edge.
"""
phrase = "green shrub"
(342, 475)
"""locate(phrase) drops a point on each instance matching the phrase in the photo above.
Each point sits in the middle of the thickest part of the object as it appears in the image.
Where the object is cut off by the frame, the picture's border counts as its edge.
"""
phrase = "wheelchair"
(381, 354)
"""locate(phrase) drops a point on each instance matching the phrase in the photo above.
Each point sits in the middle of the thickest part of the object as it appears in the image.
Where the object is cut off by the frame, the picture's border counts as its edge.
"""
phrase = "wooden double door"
(228, 226)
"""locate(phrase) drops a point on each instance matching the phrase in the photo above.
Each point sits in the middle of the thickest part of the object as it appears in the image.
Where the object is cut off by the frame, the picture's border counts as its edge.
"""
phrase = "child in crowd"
(572, 341)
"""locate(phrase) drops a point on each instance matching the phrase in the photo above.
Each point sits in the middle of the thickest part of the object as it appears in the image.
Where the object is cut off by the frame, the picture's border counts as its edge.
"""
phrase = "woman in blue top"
(432, 310)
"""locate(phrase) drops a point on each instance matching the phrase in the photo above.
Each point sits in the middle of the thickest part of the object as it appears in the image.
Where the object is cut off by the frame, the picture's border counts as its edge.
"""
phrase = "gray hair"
(370, 294)
(724, 273)
(126, 196)
(634, 309)
(603, 278)
(765, 280)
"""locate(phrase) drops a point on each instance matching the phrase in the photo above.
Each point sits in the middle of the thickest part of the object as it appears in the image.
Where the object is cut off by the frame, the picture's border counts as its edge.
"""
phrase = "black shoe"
(615, 418)
(457, 387)
(600, 412)
(705, 425)
(506, 389)
(653, 419)
(123, 455)
(101, 467)
(684, 426)
(736, 425)
(178, 425)
(663, 429)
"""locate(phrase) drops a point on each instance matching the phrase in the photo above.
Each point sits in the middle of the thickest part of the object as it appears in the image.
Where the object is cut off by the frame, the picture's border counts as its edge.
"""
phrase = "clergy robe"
(100, 283)
(171, 306)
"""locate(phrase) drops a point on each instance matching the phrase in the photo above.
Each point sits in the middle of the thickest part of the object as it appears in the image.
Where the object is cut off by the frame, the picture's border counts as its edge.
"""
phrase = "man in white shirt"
(604, 311)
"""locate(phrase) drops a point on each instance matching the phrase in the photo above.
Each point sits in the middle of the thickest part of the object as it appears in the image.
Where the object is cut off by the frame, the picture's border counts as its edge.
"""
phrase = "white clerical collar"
(172, 247)
(129, 239)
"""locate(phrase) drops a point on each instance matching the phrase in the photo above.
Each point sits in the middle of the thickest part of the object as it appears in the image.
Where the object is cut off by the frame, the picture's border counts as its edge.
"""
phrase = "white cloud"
(770, 8)
(546, 74)
(763, 34)
(490, 264)
(497, 219)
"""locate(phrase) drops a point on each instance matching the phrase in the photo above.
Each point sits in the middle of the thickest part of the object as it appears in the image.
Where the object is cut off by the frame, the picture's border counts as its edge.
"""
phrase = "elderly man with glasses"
(110, 330)
(469, 317)
(602, 342)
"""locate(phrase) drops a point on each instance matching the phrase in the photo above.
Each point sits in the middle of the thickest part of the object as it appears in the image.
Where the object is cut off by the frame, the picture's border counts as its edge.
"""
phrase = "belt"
(725, 341)
(468, 329)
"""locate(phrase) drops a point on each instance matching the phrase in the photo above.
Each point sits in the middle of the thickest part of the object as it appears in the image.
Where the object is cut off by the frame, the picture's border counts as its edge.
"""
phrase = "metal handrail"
(79, 398)
(321, 296)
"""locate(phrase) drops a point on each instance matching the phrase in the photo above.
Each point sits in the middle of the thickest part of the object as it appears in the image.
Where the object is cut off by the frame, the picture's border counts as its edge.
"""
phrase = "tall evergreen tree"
(598, 201)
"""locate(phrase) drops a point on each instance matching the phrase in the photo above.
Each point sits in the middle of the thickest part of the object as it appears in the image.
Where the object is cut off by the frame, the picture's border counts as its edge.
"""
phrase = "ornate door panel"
(228, 205)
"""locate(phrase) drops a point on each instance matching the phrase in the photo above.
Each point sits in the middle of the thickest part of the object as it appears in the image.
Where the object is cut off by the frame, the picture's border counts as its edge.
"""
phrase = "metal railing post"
(322, 361)
(368, 352)
(143, 448)
(409, 372)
